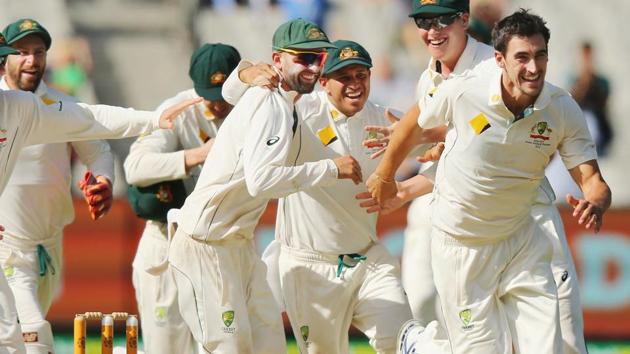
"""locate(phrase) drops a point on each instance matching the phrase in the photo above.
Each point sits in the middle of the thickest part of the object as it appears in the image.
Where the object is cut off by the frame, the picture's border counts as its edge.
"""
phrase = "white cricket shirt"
(250, 162)
(25, 120)
(36, 203)
(159, 156)
(488, 175)
(328, 219)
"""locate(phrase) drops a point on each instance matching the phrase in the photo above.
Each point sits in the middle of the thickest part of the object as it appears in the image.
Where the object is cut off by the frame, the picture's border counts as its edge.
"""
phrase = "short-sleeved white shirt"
(488, 175)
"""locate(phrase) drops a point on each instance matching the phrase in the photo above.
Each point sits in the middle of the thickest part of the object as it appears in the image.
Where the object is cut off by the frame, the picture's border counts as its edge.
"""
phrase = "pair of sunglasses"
(307, 58)
(438, 22)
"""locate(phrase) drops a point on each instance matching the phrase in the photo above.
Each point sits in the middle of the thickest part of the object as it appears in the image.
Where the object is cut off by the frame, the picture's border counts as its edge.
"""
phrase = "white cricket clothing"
(322, 305)
(25, 120)
(36, 203)
(224, 297)
(317, 225)
(328, 219)
(495, 160)
(159, 156)
(548, 218)
(417, 275)
(155, 158)
(34, 208)
(486, 289)
(251, 163)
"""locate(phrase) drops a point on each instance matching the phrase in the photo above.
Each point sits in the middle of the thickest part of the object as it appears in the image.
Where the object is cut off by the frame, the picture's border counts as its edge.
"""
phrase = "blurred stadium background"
(136, 53)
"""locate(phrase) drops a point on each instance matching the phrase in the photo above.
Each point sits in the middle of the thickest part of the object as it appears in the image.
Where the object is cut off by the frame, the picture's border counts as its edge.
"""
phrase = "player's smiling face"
(348, 88)
(299, 76)
(524, 66)
(24, 71)
(444, 44)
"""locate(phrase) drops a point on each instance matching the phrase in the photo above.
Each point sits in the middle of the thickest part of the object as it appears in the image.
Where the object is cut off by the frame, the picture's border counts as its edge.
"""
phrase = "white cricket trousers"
(322, 302)
(498, 297)
(224, 297)
(163, 328)
(565, 275)
(417, 275)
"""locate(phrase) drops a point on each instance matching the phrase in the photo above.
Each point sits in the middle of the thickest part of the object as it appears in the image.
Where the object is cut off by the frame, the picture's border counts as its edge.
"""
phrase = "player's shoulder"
(57, 95)
(178, 98)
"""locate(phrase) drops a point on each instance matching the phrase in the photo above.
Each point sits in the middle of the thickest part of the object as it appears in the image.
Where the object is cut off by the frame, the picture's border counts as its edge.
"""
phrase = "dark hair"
(522, 24)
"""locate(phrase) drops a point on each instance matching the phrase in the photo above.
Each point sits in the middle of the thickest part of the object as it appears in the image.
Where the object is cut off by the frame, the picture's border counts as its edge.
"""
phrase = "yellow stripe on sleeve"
(479, 123)
(327, 135)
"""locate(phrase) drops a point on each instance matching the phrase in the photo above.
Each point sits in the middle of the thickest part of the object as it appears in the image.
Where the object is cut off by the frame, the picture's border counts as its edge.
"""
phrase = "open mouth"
(437, 42)
(309, 76)
(354, 96)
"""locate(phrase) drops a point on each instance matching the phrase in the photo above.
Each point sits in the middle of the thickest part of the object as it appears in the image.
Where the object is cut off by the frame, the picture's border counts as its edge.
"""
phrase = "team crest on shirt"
(30, 337)
(304, 332)
(540, 134)
(228, 318)
(466, 317)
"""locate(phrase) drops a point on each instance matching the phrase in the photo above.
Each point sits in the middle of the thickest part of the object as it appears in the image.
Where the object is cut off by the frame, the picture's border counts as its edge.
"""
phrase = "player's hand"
(348, 168)
(261, 75)
(433, 154)
(97, 192)
(99, 196)
(371, 205)
(378, 136)
(197, 156)
(588, 214)
(381, 189)
(168, 115)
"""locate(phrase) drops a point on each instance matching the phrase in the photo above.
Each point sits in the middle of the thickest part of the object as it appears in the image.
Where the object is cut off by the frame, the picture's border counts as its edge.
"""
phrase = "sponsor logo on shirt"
(539, 134)
(466, 317)
(228, 319)
(273, 140)
(160, 314)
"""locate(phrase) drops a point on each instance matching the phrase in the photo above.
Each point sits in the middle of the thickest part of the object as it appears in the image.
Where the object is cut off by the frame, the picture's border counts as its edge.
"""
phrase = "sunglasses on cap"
(439, 22)
(307, 58)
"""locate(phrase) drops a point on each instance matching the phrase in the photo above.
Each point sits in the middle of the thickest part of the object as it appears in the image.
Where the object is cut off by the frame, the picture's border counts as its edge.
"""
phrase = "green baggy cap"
(300, 34)
(438, 7)
(346, 53)
(25, 27)
(4, 48)
(210, 66)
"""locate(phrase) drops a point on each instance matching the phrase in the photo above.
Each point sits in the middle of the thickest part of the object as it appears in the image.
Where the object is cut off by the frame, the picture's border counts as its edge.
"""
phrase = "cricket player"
(333, 271)
(416, 269)
(25, 120)
(36, 203)
(168, 155)
(491, 263)
(223, 294)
